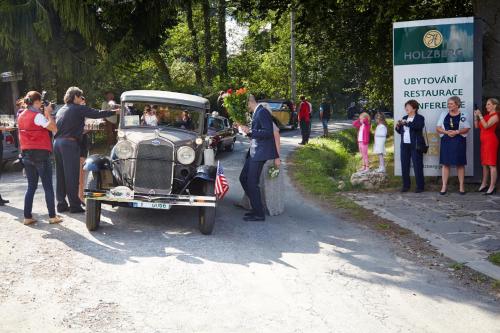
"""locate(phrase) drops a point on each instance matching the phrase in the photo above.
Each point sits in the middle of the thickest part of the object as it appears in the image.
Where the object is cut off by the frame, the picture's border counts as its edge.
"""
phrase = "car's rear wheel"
(206, 215)
(230, 147)
(93, 207)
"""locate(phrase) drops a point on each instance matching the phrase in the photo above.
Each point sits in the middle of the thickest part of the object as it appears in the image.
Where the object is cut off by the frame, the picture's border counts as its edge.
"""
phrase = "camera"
(46, 102)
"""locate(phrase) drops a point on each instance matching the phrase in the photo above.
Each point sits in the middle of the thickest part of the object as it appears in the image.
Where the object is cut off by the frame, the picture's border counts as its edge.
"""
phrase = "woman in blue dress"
(453, 127)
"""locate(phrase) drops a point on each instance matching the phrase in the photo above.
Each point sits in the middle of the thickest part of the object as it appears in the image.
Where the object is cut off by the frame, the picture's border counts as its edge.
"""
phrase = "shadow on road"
(292, 241)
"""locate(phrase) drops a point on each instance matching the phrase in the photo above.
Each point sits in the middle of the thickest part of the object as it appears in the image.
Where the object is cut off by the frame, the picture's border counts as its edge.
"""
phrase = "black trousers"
(410, 155)
(67, 155)
(305, 130)
(250, 181)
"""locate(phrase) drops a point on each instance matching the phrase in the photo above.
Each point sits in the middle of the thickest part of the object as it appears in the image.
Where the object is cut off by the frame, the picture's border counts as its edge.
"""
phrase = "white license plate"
(154, 205)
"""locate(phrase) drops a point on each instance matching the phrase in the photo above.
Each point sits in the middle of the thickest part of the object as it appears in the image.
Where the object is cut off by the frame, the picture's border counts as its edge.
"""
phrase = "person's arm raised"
(51, 126)
(97, 114)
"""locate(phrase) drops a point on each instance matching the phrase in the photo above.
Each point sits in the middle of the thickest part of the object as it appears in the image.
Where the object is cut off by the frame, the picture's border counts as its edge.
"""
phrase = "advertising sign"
(434, 60)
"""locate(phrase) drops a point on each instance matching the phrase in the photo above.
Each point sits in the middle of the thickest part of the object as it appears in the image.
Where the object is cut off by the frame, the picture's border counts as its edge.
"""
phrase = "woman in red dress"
(489, 144)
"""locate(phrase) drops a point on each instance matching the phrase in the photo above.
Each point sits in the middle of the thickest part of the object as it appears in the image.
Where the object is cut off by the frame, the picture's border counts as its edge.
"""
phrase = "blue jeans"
(38, 169)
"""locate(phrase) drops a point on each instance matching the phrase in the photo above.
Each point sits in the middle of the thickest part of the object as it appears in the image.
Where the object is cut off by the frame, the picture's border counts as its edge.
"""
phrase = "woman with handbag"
(453, 127)
(413, 145)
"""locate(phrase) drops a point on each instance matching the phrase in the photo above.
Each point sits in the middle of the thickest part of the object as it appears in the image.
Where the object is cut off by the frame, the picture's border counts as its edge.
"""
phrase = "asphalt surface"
(152, 271)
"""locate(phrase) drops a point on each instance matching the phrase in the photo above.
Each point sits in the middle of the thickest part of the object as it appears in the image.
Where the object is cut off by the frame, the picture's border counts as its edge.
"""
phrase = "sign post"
(434, 60)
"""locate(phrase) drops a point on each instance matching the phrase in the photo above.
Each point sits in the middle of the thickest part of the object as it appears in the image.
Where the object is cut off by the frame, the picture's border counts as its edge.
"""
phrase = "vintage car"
(222, 134)
(283, 112)
(162, 158)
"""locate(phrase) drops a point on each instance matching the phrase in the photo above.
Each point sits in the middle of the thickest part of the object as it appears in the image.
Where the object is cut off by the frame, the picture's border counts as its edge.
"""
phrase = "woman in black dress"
(453, 127)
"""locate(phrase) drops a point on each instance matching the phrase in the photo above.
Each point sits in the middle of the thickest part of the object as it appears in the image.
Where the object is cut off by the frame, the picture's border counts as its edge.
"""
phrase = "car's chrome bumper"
(153, 201)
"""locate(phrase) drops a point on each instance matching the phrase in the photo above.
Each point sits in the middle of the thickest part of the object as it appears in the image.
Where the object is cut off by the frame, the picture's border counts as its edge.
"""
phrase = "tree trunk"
(208, 41)
(221, 15)
(194, 37)
(162, 67)
(488, 11)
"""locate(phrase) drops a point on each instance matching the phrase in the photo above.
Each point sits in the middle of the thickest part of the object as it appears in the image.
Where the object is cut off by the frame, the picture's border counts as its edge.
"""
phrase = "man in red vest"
(36, 147)
(305, 110)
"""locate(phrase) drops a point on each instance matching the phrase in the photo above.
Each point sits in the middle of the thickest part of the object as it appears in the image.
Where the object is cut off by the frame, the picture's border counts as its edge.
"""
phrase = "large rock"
(369, 179)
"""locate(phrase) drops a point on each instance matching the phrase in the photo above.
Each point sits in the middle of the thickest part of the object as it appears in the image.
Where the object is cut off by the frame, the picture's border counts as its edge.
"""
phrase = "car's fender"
(206, 172)
(97, 163)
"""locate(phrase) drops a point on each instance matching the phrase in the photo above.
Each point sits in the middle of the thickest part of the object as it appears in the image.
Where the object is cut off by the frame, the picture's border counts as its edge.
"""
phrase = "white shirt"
(41, 121)
(406, 135)
(360, 132)
(150, 120)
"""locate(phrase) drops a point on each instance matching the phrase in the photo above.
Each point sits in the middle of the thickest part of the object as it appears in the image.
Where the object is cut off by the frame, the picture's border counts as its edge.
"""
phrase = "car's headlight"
(124, 150)
(186, 155)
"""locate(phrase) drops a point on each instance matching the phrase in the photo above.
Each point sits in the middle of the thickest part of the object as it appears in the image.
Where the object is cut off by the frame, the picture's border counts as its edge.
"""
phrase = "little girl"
(363, 126)
(380, 137)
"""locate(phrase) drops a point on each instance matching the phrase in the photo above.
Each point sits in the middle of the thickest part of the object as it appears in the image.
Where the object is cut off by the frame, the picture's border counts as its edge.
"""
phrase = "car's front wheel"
(93, 207)
(206, 215)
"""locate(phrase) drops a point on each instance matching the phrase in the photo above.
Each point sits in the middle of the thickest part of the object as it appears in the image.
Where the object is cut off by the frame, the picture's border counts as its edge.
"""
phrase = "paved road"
(149, 271)
(464, 228)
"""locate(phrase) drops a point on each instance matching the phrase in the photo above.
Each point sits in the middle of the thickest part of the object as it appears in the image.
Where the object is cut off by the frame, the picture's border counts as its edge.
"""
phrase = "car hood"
(175, 136)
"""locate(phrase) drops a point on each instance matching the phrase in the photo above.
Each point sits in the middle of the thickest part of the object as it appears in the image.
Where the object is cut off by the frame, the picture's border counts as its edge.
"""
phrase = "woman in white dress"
(380, 137)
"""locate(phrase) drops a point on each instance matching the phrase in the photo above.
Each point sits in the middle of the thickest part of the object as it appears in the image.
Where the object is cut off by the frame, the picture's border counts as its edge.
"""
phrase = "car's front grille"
(154, 167)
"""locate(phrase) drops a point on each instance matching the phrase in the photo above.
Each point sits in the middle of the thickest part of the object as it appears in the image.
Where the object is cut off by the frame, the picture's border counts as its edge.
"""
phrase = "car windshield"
(275, 105)
(141, 114)
(216, 123)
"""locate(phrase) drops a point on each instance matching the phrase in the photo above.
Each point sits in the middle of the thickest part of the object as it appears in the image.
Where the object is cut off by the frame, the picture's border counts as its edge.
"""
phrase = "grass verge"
(494, 258)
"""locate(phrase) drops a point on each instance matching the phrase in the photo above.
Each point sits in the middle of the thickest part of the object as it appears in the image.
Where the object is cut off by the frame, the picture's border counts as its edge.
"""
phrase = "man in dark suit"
(262, 148)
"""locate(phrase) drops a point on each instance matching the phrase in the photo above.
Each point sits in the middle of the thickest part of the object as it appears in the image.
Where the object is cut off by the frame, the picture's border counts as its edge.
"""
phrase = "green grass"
(494, 258)
(496, 285)
(325, 165)
(457, 266)
(383, 226)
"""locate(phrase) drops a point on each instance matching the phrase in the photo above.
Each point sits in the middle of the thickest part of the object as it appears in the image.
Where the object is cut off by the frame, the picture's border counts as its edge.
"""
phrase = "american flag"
(221, 184)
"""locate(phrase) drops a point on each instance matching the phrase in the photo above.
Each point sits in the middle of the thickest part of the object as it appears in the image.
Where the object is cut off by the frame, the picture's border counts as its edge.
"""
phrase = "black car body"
(162, 158)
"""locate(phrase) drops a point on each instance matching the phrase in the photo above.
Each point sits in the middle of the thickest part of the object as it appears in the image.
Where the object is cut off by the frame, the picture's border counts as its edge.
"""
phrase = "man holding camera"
(70, 121)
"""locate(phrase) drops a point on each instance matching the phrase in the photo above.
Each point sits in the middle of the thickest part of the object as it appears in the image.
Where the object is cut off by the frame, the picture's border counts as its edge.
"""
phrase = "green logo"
(434, 44)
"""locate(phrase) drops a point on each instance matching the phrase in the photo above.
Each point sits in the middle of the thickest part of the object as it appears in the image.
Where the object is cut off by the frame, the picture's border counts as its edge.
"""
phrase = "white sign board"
(433, 60)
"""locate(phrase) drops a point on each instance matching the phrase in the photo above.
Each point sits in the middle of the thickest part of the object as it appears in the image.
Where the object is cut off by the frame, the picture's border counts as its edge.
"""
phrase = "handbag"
(423, 147)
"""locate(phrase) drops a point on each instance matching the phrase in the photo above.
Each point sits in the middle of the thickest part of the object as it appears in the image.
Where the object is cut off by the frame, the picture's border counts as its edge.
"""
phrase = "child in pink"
(363, 126)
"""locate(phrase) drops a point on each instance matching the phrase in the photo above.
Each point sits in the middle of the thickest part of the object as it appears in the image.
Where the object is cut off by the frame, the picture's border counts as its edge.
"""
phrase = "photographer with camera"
(35, 124)
(70, 121)
(412, 140)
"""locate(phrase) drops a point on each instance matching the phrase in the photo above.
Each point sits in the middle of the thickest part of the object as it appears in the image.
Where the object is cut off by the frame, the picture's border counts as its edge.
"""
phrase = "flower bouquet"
(273, 171)
(235, 103)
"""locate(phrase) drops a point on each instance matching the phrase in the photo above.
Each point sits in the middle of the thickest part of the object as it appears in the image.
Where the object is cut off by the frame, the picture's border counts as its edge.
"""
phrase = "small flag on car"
(221, 184)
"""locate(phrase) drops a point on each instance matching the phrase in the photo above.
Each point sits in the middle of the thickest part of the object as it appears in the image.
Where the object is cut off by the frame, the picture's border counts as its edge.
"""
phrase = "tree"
(194, 40)
(207, 27)
(488, 11)
(221, 23)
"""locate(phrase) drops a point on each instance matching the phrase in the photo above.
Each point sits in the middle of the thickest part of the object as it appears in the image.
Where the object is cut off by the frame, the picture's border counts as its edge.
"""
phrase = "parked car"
(222, 134)
(283, 112)
(10, 147)
(156, 164)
